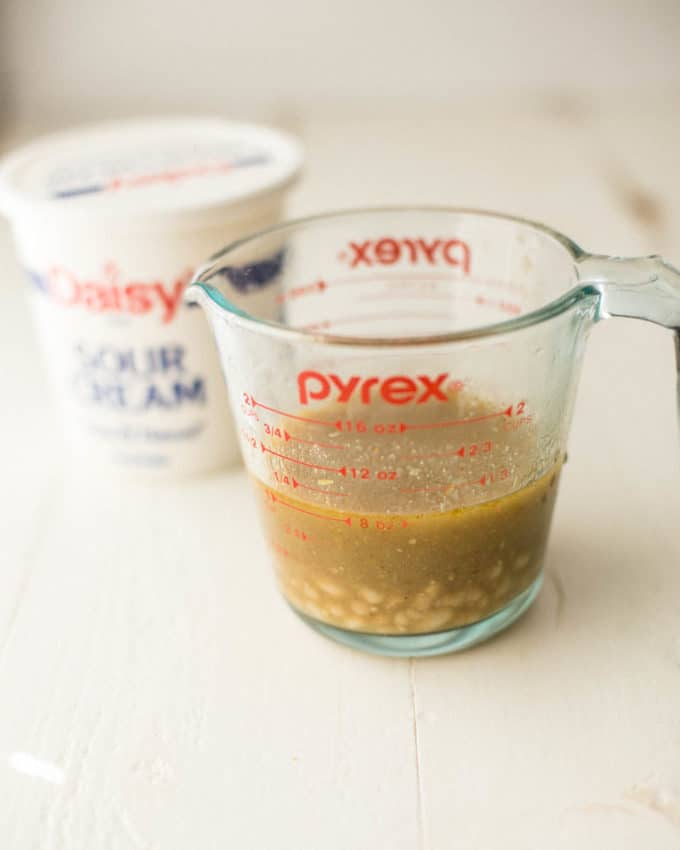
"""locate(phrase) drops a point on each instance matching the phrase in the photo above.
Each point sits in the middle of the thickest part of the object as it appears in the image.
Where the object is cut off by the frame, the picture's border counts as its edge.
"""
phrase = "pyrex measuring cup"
(404, 411)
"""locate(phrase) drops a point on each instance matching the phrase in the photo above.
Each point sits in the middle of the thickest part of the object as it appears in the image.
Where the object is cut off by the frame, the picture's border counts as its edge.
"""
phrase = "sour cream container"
(110, 222)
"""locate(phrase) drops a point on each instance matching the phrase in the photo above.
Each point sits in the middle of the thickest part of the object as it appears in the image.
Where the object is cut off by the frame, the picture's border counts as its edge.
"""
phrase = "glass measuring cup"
(404, 406)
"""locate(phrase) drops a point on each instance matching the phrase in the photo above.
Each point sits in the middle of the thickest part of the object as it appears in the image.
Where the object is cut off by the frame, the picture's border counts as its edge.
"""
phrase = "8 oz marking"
(365, 522)
(382, 524)
(276, 500)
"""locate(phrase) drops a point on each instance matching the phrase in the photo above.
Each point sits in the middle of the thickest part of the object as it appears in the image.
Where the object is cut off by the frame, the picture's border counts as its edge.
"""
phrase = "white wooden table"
(155, 694)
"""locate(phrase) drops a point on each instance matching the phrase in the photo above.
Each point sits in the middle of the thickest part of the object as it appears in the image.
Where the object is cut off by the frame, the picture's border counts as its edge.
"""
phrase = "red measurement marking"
(301, 291)
(288, 437)
(249, 412)
(443, 488)
(249, 438)
(432, 296)
(487, 478)
(289, 415)
(364, 473)
(276, 432)
(404, 426)
(471, 450)
(459, 452)
(430, 277)
(290, 481)
(368, 317)
(454, 298)
(490, 477)
(516, 423)
(297, 484)
(402, 278)
(296, 532)
(381, 524)
(277, 500)
(316, 326)
(302, 462)
(503, 306)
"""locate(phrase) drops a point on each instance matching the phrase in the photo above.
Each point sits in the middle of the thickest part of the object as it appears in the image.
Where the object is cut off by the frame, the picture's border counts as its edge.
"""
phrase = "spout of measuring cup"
(196, 295)
(634, 287)
(197, 292)
(202, 291)
(247, 286)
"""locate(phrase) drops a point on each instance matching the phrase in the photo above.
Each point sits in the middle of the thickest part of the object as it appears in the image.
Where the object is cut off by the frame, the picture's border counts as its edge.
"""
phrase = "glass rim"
(550, 310)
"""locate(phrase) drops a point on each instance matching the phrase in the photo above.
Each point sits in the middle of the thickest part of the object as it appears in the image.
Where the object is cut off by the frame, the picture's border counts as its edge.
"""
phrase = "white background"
(68, 60)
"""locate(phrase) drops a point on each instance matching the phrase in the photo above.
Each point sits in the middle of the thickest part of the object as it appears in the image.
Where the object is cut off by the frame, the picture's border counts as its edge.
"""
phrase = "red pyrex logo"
(396, 389)
(388, 251)
(110, 294)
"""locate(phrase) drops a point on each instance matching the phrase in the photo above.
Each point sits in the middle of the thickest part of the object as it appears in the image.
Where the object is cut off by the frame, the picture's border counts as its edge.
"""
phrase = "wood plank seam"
(416, 743)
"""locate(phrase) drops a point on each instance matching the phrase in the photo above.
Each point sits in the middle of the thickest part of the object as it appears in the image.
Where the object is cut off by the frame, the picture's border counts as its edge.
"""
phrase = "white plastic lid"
(160, 167)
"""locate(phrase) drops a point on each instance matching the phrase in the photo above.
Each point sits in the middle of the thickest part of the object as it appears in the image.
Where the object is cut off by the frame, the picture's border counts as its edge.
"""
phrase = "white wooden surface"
(155, 694)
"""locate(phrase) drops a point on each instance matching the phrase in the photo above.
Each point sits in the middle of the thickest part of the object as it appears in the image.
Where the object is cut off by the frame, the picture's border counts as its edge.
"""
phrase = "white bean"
(330, 587)
(502, 588)
(496, 570)
(423, 602)
(371, 596)
(314, 611)
(521, 561)
(432, 589)
(309, 591)
(473, 594)
(436, 619)
(451, 600)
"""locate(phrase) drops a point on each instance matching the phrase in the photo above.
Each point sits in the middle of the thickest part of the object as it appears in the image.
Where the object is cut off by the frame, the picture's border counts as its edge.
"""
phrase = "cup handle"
(645, 288)
(635, 287)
